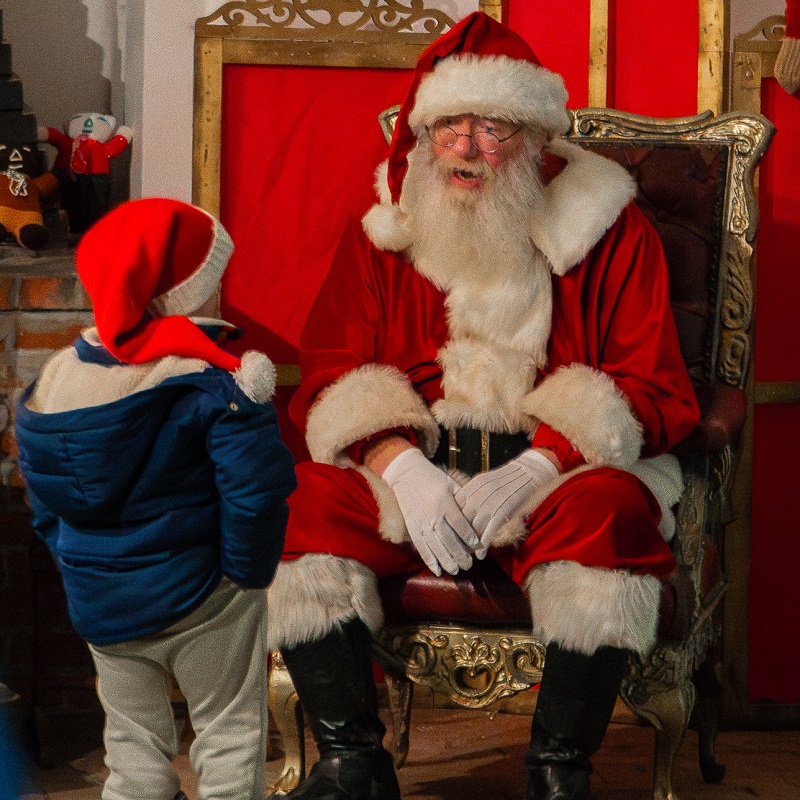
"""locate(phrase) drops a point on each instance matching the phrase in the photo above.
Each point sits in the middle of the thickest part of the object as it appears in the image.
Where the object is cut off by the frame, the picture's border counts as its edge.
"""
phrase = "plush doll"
(85, 150)
(21, 195)
(787, 65)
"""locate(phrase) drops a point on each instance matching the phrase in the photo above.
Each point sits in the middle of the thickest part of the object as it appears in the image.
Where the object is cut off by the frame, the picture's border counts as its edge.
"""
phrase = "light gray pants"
(218, 659)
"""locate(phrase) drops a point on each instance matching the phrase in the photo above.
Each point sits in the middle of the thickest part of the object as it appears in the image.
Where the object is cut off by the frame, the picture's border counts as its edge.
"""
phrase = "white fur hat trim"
(491, 86)
(192, 292)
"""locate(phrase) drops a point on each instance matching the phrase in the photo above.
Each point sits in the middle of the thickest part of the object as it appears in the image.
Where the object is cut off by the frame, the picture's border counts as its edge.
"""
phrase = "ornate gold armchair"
(469, 637)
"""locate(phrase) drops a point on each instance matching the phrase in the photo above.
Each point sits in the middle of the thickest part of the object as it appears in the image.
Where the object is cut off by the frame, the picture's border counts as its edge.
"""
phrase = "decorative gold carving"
(347, 20)
(660, 690)
(767, 35)
(401, 693)
(722, 469)
(746, 138)
(690, 519)
(288, 715)
(754, 59)
(474, 670)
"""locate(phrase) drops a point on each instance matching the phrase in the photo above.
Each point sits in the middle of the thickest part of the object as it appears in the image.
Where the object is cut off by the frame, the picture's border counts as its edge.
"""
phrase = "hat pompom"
(256, 376)
(385, 222)
(385, 227)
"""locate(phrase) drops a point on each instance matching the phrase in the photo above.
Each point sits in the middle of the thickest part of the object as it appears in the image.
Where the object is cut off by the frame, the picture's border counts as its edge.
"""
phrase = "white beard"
(475, 246)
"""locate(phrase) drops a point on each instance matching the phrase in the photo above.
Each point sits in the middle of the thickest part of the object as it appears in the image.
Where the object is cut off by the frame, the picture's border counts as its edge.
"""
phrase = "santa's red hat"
(480, 67)
(146, 265)
(787, 65)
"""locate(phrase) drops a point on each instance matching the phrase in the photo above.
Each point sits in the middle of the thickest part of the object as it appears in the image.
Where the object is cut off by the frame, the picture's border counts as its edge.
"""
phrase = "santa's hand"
(436, 525)
(490, 499)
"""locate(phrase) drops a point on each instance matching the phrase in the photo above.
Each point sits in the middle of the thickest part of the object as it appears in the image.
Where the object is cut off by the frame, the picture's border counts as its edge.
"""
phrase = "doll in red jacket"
(85, 150)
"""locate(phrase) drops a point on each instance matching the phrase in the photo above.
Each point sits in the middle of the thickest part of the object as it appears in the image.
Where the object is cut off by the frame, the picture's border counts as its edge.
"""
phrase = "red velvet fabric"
(774, 634)
(777, 346)
(793, 18)
(559, 33)
(294, 168)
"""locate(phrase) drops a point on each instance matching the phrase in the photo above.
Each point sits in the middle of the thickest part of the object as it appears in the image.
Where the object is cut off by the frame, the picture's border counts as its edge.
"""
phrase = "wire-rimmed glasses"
(484, 140)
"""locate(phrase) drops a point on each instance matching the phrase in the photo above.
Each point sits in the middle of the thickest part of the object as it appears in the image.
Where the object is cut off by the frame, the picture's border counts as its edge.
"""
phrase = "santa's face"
(460, 144)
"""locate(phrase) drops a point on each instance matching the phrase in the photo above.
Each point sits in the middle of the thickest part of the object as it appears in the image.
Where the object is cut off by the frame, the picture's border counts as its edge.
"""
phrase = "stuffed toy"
(787, 65)
(21, 195)
(85, 150)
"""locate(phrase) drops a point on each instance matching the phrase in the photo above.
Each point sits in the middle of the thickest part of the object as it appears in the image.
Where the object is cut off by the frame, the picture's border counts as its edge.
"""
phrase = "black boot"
(334, 681)
(576, 699)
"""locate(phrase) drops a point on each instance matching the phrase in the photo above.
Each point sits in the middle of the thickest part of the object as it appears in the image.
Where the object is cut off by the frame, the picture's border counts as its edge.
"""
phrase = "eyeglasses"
(485, 141)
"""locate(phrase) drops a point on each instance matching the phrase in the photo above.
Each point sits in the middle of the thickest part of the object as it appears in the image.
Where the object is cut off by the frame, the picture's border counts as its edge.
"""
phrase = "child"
(159, 482)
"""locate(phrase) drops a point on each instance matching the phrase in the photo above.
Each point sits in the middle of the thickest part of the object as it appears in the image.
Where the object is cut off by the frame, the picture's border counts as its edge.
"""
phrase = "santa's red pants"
(599, 518)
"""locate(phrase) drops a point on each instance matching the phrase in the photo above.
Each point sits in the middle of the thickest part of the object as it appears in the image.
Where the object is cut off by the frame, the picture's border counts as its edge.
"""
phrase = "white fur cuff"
(313, 594)
(364, 401)
(587, 407)
(583, 608)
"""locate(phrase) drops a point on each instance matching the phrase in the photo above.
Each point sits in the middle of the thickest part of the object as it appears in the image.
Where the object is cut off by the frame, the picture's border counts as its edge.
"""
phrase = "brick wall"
(42, 308)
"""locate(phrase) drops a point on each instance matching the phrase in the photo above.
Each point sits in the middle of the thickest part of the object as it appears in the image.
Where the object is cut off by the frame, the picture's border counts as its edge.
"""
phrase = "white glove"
(438, 529)
(490, 499)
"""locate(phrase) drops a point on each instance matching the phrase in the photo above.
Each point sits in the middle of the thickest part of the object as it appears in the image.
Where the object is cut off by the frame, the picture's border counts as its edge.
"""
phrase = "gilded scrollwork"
(334, 18)
(745, 138)
(769, 31)
(475, 670)
(690, 519)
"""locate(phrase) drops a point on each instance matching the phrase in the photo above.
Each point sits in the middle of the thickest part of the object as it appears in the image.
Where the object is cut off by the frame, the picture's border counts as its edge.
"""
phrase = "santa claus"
(504, 284)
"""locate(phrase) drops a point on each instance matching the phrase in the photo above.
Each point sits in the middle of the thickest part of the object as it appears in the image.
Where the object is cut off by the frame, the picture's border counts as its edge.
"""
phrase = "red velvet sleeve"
(637, 341)
(341, 330)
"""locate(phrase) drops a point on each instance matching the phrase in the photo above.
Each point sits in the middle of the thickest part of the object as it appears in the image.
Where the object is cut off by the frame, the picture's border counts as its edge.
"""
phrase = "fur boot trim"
(491, 86)
(256, 376)
(579, 205)
(583, 608)
(364, 401)
(313, 594)
(588, 408)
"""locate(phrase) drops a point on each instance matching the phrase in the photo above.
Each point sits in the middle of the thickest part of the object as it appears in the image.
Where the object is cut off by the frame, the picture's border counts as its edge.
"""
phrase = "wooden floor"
(458, 755)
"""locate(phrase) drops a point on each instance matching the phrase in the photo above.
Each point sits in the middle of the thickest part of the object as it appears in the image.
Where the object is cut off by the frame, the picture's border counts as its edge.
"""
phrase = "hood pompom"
(256, 376)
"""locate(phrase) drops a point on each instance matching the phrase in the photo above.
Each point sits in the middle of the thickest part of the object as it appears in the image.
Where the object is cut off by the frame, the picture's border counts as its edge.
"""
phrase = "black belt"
(473, 450)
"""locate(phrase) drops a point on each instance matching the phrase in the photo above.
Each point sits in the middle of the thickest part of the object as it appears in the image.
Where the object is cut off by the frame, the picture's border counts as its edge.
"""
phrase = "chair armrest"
(723, 411)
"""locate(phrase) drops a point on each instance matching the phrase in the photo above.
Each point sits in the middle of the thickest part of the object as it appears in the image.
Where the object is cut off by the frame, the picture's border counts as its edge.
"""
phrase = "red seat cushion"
(485, 596)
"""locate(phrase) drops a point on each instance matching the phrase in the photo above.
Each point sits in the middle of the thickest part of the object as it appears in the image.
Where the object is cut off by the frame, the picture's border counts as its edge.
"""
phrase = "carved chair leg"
(707, 714)
(401, 693)
(667, 706)
(288, 716)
